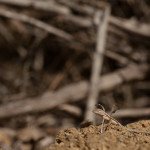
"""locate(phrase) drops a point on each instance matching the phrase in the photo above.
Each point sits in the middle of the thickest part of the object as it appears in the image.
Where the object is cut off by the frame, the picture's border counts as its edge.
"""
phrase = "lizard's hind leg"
(109, 122)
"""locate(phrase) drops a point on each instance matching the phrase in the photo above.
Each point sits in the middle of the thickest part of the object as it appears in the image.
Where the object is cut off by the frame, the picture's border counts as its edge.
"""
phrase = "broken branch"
(35, 22)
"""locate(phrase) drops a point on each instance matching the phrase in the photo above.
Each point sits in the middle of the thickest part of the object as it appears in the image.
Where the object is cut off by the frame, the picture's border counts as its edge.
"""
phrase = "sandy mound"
(114, 138)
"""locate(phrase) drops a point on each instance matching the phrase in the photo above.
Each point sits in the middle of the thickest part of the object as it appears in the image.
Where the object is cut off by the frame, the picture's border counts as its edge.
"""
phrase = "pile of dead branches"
(66, 56)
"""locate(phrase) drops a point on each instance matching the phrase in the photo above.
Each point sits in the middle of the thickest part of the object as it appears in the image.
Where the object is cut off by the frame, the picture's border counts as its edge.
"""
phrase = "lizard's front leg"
(102, 125)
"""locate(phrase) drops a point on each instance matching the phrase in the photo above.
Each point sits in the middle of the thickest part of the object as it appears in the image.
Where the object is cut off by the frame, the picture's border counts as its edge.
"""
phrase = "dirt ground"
(113, 138)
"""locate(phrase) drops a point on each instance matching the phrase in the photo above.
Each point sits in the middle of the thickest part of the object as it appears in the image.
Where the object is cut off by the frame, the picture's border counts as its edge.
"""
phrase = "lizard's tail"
(137, 131)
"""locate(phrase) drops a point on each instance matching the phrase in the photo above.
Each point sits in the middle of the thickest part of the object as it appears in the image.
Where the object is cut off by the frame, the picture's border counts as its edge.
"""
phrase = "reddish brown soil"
(114, 138)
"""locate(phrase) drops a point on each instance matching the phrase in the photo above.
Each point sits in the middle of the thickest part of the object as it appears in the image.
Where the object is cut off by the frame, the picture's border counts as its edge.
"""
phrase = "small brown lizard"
(107, 117)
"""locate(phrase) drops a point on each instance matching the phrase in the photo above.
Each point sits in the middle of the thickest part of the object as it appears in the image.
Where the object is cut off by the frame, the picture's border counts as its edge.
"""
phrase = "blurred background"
(47, 56)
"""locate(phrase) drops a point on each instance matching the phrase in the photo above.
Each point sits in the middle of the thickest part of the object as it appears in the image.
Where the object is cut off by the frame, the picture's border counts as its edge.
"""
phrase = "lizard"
(107, 117)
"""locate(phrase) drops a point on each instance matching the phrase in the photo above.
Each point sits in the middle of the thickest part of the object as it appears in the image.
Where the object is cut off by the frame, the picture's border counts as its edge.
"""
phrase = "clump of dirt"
(113, 137)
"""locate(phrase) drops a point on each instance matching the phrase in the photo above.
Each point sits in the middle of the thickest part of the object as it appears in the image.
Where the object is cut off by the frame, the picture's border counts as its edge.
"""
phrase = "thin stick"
(5, 33)
(97, 65)
(40, 5)
(70, 109)
(35, 22)
(117, 57)
(132, 113)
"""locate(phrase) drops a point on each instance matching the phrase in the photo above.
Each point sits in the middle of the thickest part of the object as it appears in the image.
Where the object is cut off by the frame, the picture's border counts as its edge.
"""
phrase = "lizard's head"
(98, 111)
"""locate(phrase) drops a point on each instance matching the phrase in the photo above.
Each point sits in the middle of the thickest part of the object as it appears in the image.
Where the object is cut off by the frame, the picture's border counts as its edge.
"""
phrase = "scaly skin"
(107, 117)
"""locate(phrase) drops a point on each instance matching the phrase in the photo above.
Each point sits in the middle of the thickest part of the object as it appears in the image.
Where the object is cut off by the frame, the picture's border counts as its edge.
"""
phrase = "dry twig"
(132, 113)
(40, 5)
(117, 57)
(97, 64)
(35, 22)
(127, 26)
(73, 110)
